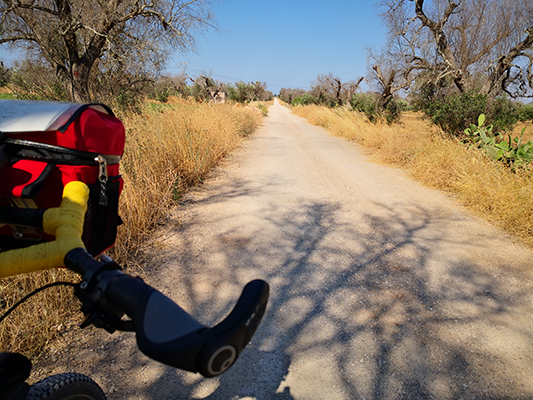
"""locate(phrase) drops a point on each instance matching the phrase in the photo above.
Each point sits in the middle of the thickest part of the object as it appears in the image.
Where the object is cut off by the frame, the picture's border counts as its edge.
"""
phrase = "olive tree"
(289, 94)
(121, 38)
(388, 75)
(476, 44)
(330, 90)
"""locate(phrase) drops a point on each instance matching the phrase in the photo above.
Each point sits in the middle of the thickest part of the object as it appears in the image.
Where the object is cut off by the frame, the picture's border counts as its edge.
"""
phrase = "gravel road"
(380, 288)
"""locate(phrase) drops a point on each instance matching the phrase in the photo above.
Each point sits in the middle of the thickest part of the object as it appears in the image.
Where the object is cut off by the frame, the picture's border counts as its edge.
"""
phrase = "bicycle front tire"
(67, 386)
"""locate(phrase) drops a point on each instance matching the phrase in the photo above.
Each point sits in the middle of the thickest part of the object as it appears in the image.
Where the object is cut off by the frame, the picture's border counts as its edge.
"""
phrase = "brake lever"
(105, 317)
(90, 291)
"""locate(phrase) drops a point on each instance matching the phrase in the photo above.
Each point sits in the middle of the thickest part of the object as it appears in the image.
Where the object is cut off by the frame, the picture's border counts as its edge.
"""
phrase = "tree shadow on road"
(369, 312)
(388, 305)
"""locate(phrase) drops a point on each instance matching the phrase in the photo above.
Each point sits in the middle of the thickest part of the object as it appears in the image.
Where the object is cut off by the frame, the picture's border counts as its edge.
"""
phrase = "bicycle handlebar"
(164, 331)
(64, 222)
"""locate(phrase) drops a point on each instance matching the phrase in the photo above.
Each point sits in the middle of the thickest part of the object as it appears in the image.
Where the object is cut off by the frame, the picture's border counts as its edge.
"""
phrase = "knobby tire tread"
(66, 386)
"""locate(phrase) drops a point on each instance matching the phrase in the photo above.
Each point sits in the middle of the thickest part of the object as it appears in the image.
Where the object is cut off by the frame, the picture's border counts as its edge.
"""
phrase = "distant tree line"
(206, 88)
(329, 90)
(30, 79)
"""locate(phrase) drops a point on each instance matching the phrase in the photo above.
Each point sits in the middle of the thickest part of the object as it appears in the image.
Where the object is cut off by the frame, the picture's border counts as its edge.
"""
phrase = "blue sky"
(285, 43)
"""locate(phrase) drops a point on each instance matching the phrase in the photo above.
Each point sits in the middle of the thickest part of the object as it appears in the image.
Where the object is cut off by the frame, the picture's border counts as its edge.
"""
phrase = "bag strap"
(19, 149)
(63, 128)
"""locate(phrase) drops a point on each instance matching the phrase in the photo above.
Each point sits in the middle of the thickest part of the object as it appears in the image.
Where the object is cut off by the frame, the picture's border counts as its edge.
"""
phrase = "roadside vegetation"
(491, 189)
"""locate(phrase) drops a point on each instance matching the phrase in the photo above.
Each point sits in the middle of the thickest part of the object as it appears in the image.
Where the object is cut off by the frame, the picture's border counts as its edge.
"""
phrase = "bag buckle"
(102, 177)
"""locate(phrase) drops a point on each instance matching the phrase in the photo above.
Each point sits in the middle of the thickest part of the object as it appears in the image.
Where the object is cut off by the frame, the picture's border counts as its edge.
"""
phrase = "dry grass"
(486, 187)
(168, 148)
(42, 319)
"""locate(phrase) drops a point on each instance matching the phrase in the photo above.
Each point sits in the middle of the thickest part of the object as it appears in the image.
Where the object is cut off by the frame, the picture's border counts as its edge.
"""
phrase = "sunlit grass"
(168, 150)
(486, 187)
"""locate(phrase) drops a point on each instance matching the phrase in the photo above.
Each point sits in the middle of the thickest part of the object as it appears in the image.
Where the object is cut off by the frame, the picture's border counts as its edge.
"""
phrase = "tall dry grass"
(40, 321)
(486, 187)
(168, 149)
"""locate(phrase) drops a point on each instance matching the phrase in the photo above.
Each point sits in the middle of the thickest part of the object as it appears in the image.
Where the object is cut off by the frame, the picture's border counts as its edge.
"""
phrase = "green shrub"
(403, 105)
(367, 104)
(457, 112)
(304, 100)
(503, 114)
(374, 109)
(162, 95)
(393, 110)
(127, 101)
(525, 112)
(513, 153)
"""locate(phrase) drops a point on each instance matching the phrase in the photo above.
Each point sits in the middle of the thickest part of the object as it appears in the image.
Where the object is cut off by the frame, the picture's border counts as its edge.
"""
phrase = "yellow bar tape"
(64, 222)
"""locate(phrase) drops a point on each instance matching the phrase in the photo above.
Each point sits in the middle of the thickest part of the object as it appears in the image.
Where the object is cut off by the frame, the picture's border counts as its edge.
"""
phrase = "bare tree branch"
(437, 28)
(455, 41)
(500, 75)
(74, 34)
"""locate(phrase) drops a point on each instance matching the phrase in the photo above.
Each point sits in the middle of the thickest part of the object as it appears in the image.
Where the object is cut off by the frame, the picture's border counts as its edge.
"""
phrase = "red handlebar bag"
(49, 144)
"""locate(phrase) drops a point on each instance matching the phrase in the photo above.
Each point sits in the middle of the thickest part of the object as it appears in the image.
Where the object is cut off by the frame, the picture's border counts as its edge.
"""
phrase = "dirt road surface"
(380, 288)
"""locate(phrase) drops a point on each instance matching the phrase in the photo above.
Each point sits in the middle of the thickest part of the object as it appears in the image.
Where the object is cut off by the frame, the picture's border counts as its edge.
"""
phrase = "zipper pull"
(102, 177)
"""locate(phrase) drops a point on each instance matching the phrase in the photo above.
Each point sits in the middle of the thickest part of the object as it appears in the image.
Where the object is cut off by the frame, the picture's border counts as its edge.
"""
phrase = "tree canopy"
(120, 39)
(475, 44)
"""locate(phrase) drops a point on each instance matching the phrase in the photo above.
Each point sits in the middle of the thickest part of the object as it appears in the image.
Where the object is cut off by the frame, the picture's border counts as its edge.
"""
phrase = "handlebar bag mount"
(49, 144)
